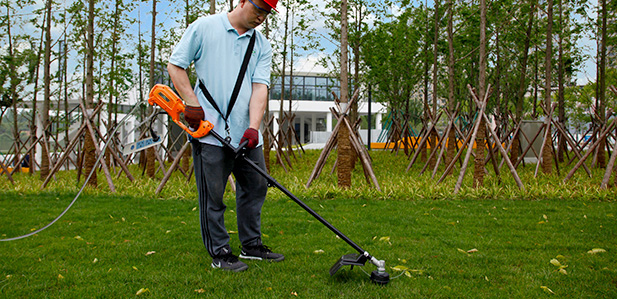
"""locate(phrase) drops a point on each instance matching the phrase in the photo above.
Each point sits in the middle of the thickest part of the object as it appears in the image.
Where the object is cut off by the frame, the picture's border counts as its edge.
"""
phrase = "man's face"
(259, 11)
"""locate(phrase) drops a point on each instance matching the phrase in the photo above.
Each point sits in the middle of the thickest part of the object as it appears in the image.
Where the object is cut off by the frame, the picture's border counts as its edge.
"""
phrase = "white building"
(311, 102)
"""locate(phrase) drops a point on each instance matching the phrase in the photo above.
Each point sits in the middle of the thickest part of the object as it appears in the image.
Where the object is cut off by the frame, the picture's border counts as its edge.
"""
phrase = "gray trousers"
(213, 165)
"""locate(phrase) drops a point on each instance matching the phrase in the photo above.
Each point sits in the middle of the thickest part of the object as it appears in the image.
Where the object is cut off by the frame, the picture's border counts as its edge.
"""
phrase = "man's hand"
(252, 136)
(193, 116)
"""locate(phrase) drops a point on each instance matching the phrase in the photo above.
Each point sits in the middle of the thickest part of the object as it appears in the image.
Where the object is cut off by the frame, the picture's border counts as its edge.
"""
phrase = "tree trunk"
(547, 154)
(478, 177)
(45, 163)
(522, 86)
(561, 147)
(601, 91)
(344, 166)
(266, 137)
(451, 145)
(281, 126)
(150, 156)
(114, 41)
(89, 149)
(433, 135)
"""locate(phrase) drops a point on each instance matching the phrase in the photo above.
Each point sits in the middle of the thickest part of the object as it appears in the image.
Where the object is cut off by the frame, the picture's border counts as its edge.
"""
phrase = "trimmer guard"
(352, 259)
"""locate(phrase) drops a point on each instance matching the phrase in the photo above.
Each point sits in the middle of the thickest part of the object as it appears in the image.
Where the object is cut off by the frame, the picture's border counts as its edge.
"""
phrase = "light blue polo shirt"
(218, 51)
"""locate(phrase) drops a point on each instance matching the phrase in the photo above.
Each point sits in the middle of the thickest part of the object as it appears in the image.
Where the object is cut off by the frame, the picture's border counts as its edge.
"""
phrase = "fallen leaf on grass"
(194, 209)
(9, 276)
(399, 268)
(78, 238)
(294, 293)
(563, 271)
(232, 232)
(200, 291)
(150, 253)
(555, 263)
(546, 289)
(135, 268)
(462, 251)
(60, 276)
(318, 251)
(95, 261)
(141, 291)
(472, 250)
(385, 239)
(596, 250)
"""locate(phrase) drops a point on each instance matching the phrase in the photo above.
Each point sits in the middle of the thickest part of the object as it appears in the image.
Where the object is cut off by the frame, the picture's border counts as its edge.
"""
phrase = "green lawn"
(490, 242)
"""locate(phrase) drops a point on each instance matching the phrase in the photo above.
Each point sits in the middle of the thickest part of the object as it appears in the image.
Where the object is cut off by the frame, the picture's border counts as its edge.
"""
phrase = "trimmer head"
(379, 276)
(352, 259)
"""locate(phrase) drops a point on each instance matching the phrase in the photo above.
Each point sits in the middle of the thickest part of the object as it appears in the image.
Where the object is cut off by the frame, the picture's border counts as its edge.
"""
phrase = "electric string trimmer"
(167, 99)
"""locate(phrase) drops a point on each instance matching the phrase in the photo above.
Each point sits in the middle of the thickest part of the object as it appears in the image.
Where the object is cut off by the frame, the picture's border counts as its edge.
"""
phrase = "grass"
(100, 247)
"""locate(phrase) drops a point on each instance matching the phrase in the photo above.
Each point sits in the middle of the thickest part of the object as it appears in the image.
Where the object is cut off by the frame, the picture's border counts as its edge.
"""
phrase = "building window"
(306, 88)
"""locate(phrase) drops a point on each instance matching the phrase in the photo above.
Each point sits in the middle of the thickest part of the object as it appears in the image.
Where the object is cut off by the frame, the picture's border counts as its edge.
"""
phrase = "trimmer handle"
(164, 97)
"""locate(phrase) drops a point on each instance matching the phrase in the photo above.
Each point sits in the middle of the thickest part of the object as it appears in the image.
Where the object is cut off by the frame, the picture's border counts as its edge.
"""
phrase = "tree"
(478, 177)
(345, 156)
(547, 151)
(150, 155)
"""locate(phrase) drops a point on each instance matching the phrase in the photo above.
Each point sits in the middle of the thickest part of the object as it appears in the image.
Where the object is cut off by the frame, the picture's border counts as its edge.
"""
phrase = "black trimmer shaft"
(378, 276)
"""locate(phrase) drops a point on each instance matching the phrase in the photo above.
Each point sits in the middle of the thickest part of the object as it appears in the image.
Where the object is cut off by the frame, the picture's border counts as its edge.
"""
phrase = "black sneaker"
(228, 262)
(260, 252)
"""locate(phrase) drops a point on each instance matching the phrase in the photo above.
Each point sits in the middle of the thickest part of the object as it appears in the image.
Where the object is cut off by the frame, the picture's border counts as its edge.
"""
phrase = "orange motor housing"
(164, 97)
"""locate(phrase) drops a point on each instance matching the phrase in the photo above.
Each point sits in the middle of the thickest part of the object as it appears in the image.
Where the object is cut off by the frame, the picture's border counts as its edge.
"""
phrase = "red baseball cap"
(272, 4)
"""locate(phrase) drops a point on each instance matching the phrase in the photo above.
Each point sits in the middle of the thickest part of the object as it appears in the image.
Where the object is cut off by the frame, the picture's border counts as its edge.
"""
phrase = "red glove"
(193, 116)
(252, 136)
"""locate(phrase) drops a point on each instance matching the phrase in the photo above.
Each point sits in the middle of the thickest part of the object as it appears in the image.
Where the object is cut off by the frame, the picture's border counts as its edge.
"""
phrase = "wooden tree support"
(29, 149)
(292, 131)
(442, 144)
(355, 141)
(424, 139)
(274, 142)
(496, 140)
(172, 167)
(330, 144)
(69, 148)
(591, 149)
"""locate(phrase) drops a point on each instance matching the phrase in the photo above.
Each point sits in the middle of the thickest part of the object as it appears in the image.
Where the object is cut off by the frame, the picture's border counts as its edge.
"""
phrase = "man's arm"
(257, 107)
(182, 84)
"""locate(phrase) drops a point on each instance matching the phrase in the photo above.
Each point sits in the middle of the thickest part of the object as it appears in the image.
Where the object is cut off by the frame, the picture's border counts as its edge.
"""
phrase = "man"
(218, 46)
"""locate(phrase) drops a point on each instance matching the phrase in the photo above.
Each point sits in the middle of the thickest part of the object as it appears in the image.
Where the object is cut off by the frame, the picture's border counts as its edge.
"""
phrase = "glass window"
(321, 94)
(276, 80)
(297, 92)
(322, 81)
(275, 92)
(309, 93)
(309, 81)
(334, 82)
(298, 80)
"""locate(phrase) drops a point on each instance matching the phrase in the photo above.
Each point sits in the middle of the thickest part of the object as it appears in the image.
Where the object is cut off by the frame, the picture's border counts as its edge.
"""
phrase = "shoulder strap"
(236, 91)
